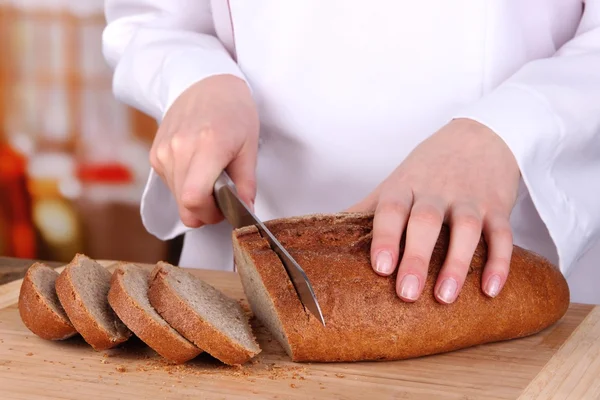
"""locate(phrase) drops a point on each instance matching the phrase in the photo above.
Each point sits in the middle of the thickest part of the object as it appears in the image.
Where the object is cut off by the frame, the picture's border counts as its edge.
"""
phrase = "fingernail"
(493, 286)
(409, 287)
(383, 262)
(447, 290)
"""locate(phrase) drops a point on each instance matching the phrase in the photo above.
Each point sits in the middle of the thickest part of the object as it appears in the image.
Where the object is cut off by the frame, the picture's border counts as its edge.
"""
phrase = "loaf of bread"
(82, 289)
(128, 297)
(202, 314)
(365, 320)
(39, 307)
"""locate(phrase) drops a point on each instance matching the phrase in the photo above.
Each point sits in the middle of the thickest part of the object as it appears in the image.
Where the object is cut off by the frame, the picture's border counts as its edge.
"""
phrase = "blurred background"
(73, 160)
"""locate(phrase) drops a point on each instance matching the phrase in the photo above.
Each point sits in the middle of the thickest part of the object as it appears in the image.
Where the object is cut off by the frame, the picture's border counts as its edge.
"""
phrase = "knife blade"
(238, 214)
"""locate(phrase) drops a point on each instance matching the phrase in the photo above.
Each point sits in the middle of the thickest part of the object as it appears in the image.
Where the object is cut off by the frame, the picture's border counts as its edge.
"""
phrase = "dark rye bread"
(365, 320)
(128, 297)
(39, 307)
(83, 292)
(202, 314)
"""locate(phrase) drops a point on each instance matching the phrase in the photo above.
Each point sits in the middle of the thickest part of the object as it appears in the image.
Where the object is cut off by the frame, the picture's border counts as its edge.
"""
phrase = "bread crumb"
(340, 375)
(293, 386)
(121, 368)
(29, 354)
(104, 362)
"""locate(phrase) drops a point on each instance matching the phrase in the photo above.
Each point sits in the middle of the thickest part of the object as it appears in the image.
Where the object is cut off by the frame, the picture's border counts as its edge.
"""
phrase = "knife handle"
(224, 180)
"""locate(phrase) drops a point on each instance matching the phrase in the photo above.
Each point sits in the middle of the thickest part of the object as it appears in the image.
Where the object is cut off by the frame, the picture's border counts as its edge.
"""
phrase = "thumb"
(367, 204)
(242, 171)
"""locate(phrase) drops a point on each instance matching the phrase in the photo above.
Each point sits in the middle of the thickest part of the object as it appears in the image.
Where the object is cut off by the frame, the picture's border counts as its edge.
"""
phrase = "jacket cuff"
(184, 68)
(176, 67)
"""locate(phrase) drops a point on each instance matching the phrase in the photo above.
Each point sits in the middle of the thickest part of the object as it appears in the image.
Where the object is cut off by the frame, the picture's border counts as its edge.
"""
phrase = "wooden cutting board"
(562, 361)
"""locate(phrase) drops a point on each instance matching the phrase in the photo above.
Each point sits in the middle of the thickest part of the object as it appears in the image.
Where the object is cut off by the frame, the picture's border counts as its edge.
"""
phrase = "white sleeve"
(548, 113)
(159, 48)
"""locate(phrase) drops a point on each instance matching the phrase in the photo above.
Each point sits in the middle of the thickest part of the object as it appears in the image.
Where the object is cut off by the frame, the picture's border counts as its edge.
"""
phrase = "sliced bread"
(39, 307)
(202, 314)
(128, 297)
(83, 292)
(365, 319)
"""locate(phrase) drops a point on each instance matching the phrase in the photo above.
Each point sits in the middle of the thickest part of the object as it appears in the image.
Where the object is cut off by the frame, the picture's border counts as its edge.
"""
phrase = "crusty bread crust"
(365, 320)
(178, 313)
(162, 338)
(37, 315)
(92, 332)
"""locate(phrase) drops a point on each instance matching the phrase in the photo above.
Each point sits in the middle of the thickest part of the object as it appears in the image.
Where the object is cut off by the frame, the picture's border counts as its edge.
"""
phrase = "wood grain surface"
(574, 371)
(560, 362)
(12, 269)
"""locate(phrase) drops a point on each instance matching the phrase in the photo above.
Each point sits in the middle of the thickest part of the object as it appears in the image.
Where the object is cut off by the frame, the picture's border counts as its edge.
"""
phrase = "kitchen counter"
(12, 269)
(563, 361)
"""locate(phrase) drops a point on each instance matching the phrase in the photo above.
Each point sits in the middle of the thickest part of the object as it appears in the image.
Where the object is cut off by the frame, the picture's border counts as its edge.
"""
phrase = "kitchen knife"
(239, 215)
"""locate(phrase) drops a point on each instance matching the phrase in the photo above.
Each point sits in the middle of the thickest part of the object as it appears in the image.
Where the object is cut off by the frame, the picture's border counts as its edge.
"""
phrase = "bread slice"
(83, 292)
(365, 320)
(39, 307)
(128, 297)
(202, 314)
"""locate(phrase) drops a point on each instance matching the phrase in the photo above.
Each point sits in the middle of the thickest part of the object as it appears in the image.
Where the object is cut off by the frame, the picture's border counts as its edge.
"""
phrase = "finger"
(422, 232)
(161, 157)
(465, 233)
(388, 225)
(499, 238)
(181, 147)
(368, 204)
(242, 171)
(208, 161)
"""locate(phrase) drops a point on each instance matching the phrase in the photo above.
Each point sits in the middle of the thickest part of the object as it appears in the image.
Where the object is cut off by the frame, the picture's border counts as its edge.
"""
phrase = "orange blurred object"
(15, 205)
(113, 173)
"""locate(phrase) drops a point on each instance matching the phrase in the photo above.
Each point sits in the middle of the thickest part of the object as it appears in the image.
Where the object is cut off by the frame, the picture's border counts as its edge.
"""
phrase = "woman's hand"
(464, 175)
(211, 126)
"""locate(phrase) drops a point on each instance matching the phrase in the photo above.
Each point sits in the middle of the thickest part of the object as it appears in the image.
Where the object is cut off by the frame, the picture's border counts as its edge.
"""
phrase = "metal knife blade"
(238, 214)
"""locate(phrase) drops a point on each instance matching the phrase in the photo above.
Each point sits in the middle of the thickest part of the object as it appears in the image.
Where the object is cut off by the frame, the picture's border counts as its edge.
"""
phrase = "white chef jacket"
(347, 88)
